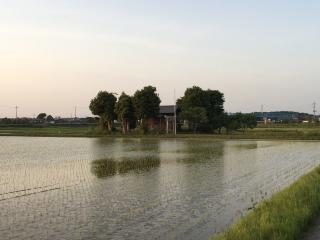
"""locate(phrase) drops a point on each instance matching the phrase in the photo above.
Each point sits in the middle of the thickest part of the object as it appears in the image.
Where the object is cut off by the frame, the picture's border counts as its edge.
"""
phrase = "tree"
(241, 121)
(214, 101)
(41, 116)
(196, 116)
(125, 111)
(250, 121)
(193, 97)
(210, 100)
(146, 104)
(50, 118)
(103, 105)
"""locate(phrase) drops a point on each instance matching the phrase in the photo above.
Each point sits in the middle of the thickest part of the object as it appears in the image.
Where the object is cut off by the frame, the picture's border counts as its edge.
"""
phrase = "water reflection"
(185, 189)
(201, 152)
(108, 167)
(246, 146)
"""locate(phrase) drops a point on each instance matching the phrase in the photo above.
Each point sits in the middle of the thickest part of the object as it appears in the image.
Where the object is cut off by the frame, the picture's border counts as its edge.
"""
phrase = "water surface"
(79, 188)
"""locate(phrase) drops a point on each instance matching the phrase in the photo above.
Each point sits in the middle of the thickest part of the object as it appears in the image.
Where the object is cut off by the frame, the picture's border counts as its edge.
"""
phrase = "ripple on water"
(77, 188)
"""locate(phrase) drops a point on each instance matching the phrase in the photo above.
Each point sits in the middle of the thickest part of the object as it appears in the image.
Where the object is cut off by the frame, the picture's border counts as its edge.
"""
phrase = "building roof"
(167, 109)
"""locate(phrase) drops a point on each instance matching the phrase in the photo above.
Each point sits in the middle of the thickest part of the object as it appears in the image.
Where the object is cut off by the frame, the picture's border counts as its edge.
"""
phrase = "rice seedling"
(110, 166)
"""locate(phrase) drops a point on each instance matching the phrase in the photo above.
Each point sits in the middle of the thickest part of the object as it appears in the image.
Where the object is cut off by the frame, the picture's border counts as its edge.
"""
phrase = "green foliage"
(125, 111)
(283, 217)
(240, 121)
(298, 132)
(146, 104)
(50, 118)
(41, 116)
(108, 167)
(210, 101)
(196, 117)
(193, 97)
(103, 105)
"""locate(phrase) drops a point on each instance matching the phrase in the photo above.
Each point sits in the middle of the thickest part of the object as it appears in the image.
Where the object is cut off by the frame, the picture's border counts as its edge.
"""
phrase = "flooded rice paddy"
(78, 188)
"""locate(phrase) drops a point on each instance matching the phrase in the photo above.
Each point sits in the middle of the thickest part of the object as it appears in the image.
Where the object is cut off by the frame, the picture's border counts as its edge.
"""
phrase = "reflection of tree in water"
(110, 166)
(246, 146)
(202, 151)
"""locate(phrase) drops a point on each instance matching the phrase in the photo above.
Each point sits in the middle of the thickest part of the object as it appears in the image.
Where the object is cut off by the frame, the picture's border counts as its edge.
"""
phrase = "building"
(282, 116)
(167, 118)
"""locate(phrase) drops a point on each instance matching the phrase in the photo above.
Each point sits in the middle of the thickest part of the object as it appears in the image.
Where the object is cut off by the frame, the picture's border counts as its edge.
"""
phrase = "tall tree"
(210, 100)
(125, 111)
(214, 101)
(196, 116)
(41, 116)
(146, 104)
(50, 118)
(103, 105)
(193, 97)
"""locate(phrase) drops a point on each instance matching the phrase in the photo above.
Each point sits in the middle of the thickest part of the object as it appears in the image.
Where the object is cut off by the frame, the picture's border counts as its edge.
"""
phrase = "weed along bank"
(288, 214)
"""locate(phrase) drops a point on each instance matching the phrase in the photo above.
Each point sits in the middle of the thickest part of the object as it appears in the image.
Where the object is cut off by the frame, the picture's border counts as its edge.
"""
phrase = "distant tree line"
(201, 110)
(43, 117)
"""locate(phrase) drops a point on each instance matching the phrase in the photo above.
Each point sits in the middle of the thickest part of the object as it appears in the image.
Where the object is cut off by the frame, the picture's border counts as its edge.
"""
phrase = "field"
(179, 188)
(281, 132)
(50, 131)
(285, 216)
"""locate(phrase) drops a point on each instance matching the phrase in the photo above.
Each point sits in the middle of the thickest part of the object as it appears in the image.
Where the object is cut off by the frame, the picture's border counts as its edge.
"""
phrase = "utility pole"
(16, 107)
(314, 110)
(262, 115)
(175, 112)
(75, 112)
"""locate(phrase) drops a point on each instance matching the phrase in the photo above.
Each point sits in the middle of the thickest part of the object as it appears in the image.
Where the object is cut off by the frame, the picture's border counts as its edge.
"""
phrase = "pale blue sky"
(58, 54)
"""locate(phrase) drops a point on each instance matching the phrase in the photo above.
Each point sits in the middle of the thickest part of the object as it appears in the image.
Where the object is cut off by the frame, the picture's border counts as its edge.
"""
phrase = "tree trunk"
(125, 126)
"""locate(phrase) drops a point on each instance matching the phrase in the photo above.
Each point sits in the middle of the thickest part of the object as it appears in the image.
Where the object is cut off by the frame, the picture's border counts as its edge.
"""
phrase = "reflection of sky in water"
(75, 188)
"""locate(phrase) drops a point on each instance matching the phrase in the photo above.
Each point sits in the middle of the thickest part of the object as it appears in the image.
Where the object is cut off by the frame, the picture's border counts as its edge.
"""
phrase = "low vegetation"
(109, 166)
(285, 216)
(50, 131)
(298, 132)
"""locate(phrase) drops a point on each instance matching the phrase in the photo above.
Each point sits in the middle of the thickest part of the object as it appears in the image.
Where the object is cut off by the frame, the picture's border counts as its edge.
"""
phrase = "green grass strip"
(286, 215)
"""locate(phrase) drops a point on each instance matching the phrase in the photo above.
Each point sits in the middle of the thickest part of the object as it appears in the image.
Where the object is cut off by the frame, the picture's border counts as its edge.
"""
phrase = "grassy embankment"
(286, 215)
(283, 131)
(50, 131)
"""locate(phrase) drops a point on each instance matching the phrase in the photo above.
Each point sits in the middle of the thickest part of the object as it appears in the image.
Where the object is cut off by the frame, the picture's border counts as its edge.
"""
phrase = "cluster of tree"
(8, 121)
(43, 117)
(129, 110)
(240, 121)
(202, 110)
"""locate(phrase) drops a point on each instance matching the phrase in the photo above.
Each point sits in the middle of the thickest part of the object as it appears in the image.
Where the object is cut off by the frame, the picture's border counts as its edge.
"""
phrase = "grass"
(50, 131)
(109, 166)
(286, 215)
(280, 132)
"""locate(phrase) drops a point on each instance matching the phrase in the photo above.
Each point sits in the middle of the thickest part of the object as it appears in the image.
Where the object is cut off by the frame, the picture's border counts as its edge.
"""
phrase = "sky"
(55, 55)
